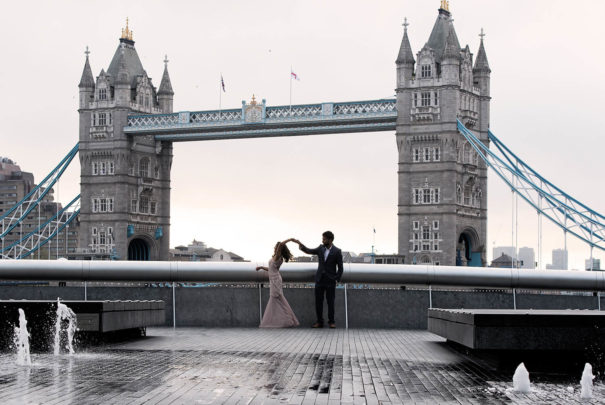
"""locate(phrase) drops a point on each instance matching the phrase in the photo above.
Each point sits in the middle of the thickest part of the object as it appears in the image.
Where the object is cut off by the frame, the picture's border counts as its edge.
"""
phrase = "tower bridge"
(128, 126)
(440, 117)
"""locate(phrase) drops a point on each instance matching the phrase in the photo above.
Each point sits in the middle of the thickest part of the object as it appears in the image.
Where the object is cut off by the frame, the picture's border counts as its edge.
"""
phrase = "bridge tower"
(442, 203)
(124, 180)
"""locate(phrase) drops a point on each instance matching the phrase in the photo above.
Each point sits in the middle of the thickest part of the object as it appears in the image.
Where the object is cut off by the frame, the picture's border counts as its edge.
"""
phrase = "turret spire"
(165, 85)
(87, 79)
(481, 64)
(405, 51)
(452, 49)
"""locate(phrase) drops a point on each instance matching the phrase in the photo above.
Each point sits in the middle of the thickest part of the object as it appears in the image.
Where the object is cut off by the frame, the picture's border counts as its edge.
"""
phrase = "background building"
(197, 251)
(559, 260)
(527, 258)
(505, 261)
(499, 250)
(596, 264)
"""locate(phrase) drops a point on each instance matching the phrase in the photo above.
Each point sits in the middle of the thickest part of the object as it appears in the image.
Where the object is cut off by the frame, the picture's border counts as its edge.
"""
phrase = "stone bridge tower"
(442, 204)
(124, 180)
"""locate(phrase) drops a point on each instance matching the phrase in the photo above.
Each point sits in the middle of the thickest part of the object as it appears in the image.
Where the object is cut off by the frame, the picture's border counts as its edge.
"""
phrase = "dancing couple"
(278, 313)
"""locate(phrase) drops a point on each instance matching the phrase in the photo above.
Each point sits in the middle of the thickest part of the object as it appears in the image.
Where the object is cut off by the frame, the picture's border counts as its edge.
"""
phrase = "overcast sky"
(548, 83)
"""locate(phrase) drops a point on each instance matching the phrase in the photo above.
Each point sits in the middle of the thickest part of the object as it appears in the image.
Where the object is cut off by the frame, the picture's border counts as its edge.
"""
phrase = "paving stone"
(255, 366)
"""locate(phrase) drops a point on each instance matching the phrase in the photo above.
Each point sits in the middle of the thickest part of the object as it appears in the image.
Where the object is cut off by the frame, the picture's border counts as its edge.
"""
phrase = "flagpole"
(290, 88)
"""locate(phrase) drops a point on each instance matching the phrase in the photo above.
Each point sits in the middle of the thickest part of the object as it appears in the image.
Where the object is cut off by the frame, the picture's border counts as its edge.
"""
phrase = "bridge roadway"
(259, 120)
(293, 366)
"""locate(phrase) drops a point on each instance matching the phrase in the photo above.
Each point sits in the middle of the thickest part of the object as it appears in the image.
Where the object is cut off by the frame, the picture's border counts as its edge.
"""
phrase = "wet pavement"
(253, 366)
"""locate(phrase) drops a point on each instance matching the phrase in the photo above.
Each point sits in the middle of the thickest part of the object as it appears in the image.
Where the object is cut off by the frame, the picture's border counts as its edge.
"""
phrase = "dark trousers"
(329, 291)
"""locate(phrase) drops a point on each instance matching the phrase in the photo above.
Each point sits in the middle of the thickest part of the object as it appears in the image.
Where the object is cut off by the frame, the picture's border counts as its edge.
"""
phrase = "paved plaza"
(253, 366)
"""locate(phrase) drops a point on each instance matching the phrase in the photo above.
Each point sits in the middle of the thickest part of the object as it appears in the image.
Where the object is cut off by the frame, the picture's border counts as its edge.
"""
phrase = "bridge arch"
(142, 248)
(468, 248)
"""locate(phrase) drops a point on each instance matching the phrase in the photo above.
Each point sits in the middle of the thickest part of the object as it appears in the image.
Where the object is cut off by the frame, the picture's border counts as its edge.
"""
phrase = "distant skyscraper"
(559, 260)
(596, 264)
(499, 250)
(527, 257)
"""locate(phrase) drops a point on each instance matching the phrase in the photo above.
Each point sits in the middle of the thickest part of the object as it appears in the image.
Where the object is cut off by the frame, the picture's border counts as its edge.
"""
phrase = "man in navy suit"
(329, 272)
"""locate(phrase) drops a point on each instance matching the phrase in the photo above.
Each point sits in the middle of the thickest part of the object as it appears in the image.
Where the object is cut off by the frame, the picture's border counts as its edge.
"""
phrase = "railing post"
(346, 310)
(85, 292)
(599, 299)
(430, 297)
(514, 298)
(260, 303)
(173, 306)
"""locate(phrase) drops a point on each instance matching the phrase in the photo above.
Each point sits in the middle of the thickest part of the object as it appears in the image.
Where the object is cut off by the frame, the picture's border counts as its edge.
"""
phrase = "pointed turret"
(87, 83)
(406, 56)
(405, 59)
(442, 29)
(87, 80)
(165, 92)
(481, 79)
(122, 81)
(450, 66)
(481, 64)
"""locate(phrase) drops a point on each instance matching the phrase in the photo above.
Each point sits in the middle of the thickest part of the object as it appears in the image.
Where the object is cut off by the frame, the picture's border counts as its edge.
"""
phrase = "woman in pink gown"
(278, 313)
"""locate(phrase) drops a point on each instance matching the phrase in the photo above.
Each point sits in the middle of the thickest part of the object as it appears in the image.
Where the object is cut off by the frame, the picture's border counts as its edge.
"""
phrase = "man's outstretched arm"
(306, 249)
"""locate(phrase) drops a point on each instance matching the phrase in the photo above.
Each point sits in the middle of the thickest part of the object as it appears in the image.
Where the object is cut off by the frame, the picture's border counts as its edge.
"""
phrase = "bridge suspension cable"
(549, 200)
(44, 232)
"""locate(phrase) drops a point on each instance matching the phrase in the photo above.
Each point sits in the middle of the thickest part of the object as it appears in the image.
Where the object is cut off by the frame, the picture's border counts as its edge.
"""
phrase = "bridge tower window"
(427, 154)
(425, 71)
(425, 98)
(144, 204)
(144, 167)
(102, 94)
(436, 154)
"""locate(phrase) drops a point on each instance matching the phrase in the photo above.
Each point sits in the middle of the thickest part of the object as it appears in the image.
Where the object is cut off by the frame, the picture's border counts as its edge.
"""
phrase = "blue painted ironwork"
(44, 233)
(559, 207)
(306, 119)
(13, 217)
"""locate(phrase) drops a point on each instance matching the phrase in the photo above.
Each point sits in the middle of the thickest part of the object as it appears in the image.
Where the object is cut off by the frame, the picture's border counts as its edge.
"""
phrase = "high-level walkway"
(295, 366)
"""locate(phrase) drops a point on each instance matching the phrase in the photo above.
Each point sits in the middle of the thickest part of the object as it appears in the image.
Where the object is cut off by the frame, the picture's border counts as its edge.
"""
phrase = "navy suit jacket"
(331, 267)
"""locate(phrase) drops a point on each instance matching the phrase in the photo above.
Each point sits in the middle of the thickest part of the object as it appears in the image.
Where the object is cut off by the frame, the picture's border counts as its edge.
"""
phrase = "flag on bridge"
(222, 84)
(294, 75)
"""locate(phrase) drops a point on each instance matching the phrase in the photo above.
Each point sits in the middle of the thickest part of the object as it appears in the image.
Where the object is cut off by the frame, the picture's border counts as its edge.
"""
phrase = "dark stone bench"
(502, 329)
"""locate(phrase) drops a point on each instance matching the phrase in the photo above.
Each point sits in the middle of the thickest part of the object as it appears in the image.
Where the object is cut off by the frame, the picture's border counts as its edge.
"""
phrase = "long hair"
(285, 252)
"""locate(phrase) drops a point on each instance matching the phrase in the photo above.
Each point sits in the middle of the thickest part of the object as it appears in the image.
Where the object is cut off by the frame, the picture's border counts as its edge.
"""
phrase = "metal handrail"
(85, 270)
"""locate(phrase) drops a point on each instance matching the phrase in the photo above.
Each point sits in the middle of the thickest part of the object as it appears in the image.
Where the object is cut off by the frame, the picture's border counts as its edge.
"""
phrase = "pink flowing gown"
(278, 313)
